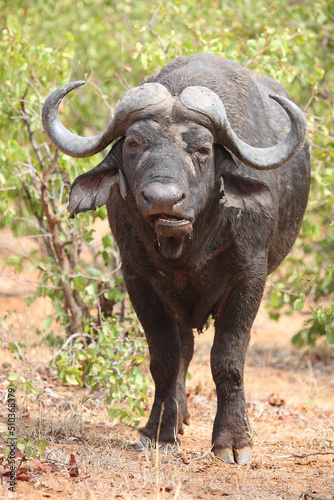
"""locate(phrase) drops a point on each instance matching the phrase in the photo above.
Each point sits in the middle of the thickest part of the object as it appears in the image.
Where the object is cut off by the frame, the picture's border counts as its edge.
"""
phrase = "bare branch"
(44, 234)
(72, 337)
(103, 97)
(301, 455)
(9, 333)
(152, 30)
(12, 188)
(275, 287)
(306, 494)
(29, 284)
(33, 143)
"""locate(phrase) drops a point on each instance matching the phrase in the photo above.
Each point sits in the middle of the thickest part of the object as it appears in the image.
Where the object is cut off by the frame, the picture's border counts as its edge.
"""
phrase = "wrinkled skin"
(198, 233)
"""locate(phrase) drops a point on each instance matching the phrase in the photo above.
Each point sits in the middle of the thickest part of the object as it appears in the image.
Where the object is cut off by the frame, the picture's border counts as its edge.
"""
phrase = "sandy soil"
(290, 402)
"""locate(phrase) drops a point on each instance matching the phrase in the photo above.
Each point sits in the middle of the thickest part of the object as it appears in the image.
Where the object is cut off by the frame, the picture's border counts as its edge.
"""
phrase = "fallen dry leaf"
(20, 454)
(275, 400)
(73, 466)
(22, 474)
(167, 488)
(36, 464)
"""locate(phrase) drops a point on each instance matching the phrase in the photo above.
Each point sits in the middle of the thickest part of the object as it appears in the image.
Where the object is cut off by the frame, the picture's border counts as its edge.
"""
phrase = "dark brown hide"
(198, 229)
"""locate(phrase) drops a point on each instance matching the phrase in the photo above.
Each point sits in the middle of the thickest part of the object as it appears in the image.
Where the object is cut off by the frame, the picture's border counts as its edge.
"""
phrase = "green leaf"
(293, 277)
(90, 290)
(93, 271)
(47, 322)
(72, 379)
(299, 303)
(330, 337)
(144, 60)
(12, 24)
(328, 179)
(275, 45)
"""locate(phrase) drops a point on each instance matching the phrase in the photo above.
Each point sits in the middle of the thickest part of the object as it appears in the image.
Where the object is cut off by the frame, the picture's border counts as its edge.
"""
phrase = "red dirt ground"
(290, 402)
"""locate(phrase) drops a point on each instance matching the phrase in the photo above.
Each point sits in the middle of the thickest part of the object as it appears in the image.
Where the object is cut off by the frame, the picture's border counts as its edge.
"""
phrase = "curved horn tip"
(77, 83)
(294, 112)
(72, 85)
(57, 95)
(279, 98)
(286, 103)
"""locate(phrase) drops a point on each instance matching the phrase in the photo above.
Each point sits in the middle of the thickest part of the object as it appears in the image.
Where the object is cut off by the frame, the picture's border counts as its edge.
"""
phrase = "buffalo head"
(165, 155)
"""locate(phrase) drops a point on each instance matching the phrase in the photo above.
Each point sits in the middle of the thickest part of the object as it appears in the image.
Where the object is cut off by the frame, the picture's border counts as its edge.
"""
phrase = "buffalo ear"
(245, 193)
(240, 187)
(91, 189)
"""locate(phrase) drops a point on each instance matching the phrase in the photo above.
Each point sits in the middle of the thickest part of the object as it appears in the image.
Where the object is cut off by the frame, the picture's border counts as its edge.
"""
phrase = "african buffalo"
(206, 186)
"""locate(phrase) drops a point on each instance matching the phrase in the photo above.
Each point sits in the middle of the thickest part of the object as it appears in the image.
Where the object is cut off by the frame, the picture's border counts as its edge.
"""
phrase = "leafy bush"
(35, 179)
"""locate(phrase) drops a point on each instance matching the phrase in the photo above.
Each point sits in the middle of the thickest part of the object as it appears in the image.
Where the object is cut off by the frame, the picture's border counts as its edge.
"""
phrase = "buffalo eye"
(132, 145)
(203, 152)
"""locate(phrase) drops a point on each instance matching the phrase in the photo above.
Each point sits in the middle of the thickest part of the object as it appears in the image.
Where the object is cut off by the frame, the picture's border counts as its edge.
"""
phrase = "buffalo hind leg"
(231, 436)
(187, 351)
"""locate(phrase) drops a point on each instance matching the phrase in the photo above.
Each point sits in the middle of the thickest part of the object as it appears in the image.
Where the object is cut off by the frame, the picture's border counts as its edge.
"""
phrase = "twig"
(306, 494)
(178, 489)
(117, 371)
(288, 292)
(103, 97)
(201, 457)
(80, 275)
(44, 234)
(30, 284)
(73, 336)
(302, 455)
(11, 188)
(23, 114)
(152, 30)
(14, 341)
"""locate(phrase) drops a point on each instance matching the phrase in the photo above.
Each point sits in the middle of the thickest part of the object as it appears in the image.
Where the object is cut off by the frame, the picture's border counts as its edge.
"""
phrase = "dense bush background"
(114, 46)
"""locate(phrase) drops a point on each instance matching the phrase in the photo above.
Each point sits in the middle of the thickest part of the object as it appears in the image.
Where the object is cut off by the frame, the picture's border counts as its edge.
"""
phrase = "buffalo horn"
(207, 103)
(138, 103)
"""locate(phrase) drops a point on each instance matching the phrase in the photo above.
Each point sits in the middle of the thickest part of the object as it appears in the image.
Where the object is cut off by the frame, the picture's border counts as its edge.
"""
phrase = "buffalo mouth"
(169, 226)
(171, 234)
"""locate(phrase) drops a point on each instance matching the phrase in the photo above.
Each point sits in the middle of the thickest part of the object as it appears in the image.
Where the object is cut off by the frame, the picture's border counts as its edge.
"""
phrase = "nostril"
(161, 198)
(181, 198)
(145, 199)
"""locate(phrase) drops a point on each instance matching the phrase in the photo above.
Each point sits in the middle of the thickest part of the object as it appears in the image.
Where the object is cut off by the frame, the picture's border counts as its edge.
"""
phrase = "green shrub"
(35, 180)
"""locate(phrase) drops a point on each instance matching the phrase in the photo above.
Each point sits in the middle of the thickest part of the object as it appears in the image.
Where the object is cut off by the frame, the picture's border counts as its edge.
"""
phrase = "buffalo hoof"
(147, 444)
(241, 457)
(225, 454)
(186, 420)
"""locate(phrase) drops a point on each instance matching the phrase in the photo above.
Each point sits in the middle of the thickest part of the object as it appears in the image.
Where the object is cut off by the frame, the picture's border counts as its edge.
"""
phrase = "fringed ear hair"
(122, 184)
(222, 197)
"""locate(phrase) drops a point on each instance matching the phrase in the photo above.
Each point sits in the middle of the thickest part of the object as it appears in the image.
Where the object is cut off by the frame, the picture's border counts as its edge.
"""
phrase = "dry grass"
(109, 466)
(75, 422)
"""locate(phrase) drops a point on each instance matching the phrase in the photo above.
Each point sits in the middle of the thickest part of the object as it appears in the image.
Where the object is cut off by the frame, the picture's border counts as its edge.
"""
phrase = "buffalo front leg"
(231, 436)
(163, 423)
(162, 334)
